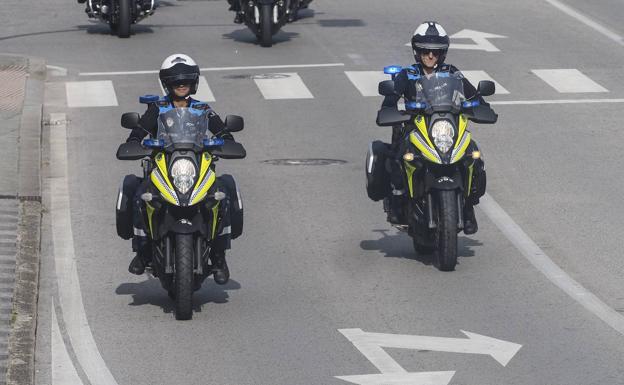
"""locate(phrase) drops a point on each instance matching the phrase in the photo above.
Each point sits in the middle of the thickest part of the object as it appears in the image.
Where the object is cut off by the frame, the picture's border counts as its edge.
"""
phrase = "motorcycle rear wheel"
(184, 276)
(446, 232)
(266, 25)
(125, 18)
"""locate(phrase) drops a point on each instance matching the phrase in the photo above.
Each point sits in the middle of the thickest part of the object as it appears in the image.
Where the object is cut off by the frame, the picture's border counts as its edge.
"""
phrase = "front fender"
(444, 182)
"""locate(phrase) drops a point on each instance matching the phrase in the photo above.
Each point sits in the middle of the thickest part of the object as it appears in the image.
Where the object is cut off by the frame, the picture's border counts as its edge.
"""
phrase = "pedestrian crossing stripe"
(286, 86)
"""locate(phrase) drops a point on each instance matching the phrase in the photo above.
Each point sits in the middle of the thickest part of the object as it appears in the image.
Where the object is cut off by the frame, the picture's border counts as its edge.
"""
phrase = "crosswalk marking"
(367, 82)
(569, 80)
(476, 76)
(282, 86)
(91, 94)
(204, 93)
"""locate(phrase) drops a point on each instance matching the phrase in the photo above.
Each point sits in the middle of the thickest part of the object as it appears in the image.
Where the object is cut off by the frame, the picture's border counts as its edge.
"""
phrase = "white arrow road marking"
(480, 39)
(424, 378)
(501, 351)
(70, 296)
(63, 370)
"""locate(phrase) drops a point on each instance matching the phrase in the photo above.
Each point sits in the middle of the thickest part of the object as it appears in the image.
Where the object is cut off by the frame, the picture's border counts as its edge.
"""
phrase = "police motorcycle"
(186, 206)
(120, 14)
(265, 17)
(437, 160)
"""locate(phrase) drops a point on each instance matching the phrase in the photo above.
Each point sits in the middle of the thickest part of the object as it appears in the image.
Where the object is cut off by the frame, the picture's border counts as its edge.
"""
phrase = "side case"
(123, 211)
(377, 176)
(236, 204)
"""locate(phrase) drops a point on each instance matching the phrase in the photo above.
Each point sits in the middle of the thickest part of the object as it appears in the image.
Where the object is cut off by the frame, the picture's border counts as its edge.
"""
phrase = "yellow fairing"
(409, 169)
(460, 147)
(150, 214)
(422, 141)
(215, 214)
(160, 179)
(206, 179)
(421, 125)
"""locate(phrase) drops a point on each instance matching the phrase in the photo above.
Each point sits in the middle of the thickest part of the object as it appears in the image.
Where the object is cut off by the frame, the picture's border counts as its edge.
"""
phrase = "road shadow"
(150, 292)
(104, 29)
(246, 36)
(395, 244)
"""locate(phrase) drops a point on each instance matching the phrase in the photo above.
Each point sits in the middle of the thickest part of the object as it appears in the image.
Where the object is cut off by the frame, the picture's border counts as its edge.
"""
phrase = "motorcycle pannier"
(124, 206)
(236, 204)
(377, 176)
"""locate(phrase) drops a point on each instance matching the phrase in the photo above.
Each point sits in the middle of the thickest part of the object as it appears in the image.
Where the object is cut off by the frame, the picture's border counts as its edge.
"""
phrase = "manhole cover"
(303, 162)
(235, 77)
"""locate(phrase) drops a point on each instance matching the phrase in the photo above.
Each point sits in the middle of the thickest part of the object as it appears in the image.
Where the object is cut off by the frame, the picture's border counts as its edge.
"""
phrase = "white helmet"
(179, 69)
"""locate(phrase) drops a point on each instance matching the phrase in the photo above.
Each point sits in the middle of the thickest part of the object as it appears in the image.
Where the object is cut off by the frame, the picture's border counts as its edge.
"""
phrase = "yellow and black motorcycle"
(437, 159)
(186, 207)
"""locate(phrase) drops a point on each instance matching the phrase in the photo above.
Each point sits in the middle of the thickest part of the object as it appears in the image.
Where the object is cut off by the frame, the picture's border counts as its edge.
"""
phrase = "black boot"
(395, 210)
(220, 270)
(137, 265)
(470, 220)
(238, 19)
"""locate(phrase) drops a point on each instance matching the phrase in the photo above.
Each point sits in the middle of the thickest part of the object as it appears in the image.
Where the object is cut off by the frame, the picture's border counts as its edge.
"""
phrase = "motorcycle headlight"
(443, 133)
(183, 173)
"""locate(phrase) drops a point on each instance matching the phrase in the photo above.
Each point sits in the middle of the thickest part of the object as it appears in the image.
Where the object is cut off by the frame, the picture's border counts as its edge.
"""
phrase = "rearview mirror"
(486, 88)
(130, 120)
(390, 117)
(386, 88)
(234, 123)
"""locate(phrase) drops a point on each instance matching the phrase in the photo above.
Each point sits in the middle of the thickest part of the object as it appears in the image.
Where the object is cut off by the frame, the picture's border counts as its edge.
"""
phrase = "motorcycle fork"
(460, 211)
(168, 264)
(432, 223)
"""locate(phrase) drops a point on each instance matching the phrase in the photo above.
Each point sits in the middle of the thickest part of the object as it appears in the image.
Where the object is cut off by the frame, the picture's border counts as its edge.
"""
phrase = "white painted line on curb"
(211, 69)
(475, 77)
(282, 86)
(63, 370)
(587, 21)
(546, 266)
(91, 94)
(554, 101)
(568, 80)
(70, 296)
(367, 82)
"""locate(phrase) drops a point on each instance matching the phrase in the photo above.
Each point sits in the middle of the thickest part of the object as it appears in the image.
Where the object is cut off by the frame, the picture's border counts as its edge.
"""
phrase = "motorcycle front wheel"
(183, 276)
(446, 231)
(125, 18)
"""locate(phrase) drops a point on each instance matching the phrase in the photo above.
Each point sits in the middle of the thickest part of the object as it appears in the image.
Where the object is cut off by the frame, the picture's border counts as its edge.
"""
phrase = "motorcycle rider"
(430, 44)
(179, 75)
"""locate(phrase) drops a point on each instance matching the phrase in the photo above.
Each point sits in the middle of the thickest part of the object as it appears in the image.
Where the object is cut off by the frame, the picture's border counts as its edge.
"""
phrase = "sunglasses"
(435, 52)
(180, 85)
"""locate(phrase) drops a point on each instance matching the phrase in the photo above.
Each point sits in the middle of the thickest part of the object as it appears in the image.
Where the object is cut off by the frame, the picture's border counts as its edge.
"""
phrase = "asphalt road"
(317, 256)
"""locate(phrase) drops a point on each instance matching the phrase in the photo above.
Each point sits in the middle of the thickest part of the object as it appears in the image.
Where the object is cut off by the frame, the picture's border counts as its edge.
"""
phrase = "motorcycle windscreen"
(183, 126)
(442, 91)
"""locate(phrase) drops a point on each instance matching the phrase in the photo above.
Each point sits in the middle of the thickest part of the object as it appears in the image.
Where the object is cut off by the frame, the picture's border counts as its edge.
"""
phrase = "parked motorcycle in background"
(120, 14)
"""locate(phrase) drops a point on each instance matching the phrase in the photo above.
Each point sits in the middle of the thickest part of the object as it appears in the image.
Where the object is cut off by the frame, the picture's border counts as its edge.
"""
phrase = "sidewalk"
(21, 97)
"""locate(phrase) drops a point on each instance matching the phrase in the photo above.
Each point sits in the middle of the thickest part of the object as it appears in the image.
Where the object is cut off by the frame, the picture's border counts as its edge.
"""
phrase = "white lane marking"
(555, 101)
(204, 93)
(70, 296)
(422, 378)
(211, 69)
(63, 370)
(476, 76)
(91, 94)
(587, 21)
(367, 82)
(282, 86)
(568, 80)
(56, 70)
(546, 266)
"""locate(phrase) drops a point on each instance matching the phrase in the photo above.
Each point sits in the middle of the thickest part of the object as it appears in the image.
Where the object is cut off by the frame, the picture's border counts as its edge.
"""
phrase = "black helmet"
(430, 36)
(179, 69)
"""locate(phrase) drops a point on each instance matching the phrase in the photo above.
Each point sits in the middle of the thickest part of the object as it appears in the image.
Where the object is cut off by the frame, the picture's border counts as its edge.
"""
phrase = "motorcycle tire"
(446, 231)
(266, 26)
(125, 18)
(184, 252)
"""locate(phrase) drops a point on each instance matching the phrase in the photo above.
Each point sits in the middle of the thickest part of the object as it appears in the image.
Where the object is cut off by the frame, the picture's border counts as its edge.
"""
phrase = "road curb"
(24, 315)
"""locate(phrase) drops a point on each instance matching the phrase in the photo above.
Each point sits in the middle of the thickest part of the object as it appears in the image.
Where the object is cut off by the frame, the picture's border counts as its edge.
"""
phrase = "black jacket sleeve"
(400, 87)
(148, 124)
(217, 127)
